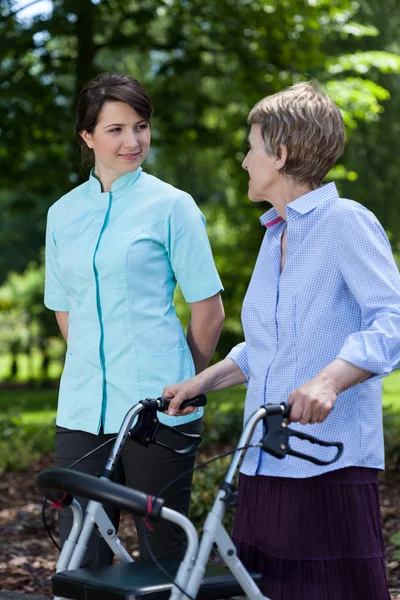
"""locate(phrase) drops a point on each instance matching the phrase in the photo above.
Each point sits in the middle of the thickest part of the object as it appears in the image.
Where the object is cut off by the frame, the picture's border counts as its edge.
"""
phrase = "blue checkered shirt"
(337, 297)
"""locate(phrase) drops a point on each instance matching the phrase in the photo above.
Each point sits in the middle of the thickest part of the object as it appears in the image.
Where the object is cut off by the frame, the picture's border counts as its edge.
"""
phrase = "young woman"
(116, 247)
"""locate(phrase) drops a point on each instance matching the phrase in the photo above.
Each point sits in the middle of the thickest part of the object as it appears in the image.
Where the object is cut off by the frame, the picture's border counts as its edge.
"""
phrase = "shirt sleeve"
(55, 297)
(368, 267)
(190, 252)
(239, 355)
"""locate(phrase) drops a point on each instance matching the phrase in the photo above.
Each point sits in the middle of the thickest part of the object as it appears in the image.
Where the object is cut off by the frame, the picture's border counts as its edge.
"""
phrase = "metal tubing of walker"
(86, 531)
(206, 543)
(122, 435)
(186, 566)
(219, 508)
(244, 439)
(70, 543)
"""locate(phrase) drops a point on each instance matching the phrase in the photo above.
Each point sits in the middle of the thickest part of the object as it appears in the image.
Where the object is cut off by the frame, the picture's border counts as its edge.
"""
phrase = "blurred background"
(205, 64)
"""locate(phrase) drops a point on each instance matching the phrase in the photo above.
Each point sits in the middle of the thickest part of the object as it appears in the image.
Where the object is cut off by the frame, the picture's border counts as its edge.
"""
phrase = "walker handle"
(277, 434)
(317, 461)
(196, 401)
(147, 427)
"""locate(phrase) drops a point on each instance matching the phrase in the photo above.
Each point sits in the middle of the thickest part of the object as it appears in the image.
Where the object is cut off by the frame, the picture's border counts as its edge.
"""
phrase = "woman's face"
(120, 140)
(263, 169)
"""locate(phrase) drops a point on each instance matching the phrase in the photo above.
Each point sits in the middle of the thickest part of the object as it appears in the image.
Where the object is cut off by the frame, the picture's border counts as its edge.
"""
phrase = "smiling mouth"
(130, 155)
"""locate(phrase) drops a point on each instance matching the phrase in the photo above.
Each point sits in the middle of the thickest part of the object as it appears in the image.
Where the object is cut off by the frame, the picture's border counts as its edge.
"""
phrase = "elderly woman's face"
(263, 169)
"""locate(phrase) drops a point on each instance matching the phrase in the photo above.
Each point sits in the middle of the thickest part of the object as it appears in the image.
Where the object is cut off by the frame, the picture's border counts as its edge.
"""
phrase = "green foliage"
(362, 62)
(359, 99)
(206, 482)
(391, 425)
(24, 401)
(223, 418)
(203, 81)
(395, 539)
(21, 443)
(25, 324)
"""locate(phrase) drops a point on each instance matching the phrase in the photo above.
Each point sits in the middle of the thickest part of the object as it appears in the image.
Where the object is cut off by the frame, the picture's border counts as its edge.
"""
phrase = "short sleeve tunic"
(113, 260)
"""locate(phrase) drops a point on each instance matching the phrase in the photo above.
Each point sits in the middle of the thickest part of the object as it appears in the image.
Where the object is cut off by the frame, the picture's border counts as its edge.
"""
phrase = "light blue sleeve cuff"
(361, 351)
(204, 291)
(239, 355)
(57, 303)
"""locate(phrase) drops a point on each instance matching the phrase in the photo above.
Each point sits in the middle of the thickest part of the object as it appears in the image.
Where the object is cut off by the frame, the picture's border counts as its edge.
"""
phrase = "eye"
(143, 126)
(116, 129)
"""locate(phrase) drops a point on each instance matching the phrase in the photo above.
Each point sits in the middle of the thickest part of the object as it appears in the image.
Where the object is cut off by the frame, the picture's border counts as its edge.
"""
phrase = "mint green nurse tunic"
(113, 260)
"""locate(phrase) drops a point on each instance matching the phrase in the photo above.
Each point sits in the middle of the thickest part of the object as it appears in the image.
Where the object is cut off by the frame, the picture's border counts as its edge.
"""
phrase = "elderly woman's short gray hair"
(309, 124)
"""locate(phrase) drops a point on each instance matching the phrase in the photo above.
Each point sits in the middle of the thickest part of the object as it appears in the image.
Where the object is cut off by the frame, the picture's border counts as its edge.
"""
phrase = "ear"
(87, 137)
(282, 158)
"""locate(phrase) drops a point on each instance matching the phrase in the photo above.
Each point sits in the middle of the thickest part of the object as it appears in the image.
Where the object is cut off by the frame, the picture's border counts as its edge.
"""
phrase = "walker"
(151, 579)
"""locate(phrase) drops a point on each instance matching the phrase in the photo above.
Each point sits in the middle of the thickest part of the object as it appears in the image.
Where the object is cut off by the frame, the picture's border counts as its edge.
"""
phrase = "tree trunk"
(85, 68)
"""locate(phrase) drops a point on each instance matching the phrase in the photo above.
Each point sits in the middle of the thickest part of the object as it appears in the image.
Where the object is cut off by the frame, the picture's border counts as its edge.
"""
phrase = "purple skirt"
(313, 539)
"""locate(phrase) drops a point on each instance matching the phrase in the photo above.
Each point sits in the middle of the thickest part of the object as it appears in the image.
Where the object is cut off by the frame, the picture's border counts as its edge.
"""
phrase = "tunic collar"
(302, 205)
(123, 182)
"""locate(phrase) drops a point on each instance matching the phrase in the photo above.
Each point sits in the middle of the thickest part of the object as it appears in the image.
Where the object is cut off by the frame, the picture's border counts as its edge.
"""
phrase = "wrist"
(202, 383)
(327, 378)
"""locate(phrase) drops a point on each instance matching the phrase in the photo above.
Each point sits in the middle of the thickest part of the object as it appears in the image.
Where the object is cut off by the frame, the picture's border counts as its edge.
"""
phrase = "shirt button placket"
(108, 198)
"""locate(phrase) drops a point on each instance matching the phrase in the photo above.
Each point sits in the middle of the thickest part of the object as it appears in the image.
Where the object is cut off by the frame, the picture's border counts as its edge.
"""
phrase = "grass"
(35, 406)
(391, 391)
(28, 366)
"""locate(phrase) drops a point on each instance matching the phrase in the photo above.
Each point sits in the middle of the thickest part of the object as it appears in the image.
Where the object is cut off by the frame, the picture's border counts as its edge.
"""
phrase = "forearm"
(202, 342)
(222, 375)
(62, 320)
(342, 375)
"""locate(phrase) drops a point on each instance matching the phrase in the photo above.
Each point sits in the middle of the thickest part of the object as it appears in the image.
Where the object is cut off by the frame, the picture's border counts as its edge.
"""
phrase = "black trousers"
(146, 469)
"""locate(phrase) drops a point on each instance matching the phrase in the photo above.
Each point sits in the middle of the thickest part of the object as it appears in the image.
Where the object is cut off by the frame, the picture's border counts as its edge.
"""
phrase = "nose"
(244, 163)
(130, 139)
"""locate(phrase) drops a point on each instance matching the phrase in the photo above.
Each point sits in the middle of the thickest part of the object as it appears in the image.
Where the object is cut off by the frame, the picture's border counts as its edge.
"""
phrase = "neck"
(106, 178)
(287, 193)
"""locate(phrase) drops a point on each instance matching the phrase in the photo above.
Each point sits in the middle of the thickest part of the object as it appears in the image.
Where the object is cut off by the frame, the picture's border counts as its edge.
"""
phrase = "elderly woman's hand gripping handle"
(224, 374)
(313, 401)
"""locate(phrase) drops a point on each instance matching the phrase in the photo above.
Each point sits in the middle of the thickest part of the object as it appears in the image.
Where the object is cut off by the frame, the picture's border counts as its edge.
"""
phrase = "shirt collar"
(302, 205)
(121, 183)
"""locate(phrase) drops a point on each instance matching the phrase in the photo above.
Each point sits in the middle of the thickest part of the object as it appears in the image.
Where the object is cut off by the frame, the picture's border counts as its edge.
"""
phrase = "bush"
(222, 427)
(395, 539)
(21, 443)
(391, 426)
(206, 482)
(223, 422)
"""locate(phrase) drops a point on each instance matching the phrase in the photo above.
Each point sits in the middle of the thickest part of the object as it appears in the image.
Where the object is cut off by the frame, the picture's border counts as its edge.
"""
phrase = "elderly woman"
(321, 320)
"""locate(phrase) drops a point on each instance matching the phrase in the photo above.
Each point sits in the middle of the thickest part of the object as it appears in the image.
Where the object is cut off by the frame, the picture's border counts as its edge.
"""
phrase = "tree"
(26, 325)
(205, 62)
